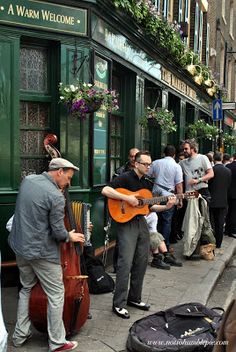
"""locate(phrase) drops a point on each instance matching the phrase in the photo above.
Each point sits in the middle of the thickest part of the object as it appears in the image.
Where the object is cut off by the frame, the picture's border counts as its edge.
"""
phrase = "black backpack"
(98, 280)
(189, 327)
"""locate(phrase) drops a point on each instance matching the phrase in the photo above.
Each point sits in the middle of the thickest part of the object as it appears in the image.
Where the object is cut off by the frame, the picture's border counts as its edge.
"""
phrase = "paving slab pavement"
(106, 332)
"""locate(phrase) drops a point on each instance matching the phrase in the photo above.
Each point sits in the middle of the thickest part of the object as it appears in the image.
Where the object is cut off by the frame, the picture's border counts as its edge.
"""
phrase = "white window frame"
(207, 43)
(231, 20)
(196, 21)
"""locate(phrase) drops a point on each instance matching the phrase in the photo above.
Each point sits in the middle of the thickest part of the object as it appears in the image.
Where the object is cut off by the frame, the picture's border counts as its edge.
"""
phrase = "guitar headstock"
(191, 194)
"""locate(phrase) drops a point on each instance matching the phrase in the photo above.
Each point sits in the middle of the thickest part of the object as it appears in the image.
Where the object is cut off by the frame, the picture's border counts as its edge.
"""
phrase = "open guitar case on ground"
(190, 327)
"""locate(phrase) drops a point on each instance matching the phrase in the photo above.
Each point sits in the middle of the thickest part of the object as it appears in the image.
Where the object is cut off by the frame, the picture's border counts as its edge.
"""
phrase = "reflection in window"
(34, 114)
(115, 142)
(33, 69)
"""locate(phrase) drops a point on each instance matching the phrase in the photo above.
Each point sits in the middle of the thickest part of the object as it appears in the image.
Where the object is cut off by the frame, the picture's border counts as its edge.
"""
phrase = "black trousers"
(231, 217)
(217, 217)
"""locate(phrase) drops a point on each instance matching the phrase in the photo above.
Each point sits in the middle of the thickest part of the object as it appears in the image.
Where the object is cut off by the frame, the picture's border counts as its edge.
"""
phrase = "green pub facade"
(45, 43)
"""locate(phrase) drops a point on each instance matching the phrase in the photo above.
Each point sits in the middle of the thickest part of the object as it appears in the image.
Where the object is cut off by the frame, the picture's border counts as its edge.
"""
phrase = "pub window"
(116, 138)
(231, 20)
(156, 3)
(116, 127)
(207, 44)
(101, 80)
(196, 29)
(223, 10)
(186, 14)
(200, 35)
(35, 108)
(180, 17)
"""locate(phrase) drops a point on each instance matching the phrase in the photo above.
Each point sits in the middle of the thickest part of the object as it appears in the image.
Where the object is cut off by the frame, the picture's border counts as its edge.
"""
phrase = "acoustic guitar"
(122, 211)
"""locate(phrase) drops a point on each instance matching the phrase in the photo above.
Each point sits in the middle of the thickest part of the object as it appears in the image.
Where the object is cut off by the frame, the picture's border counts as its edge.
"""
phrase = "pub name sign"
(42, 15)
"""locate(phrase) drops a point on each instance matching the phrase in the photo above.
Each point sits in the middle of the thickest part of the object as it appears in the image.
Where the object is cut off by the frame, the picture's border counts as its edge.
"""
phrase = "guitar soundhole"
(140, 202)
(123, 207)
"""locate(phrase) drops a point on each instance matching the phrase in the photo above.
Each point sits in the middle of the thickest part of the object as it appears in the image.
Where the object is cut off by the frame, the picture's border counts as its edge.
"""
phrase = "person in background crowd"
(133, 238)
(218, 187)
(157, 241)
(3, 331)
(37, 230)
(180, 157)
(196, 168)
(129, 165)
(197, 172)
(210, 156)
(226, 159)
(168, 179)
(231, 216)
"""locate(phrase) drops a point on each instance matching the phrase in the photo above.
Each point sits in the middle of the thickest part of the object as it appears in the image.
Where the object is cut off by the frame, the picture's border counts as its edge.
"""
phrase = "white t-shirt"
(152, 220)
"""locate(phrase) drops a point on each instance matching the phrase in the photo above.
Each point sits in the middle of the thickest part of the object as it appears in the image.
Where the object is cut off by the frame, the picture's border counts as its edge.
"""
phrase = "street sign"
(229, 106)
(217, 114)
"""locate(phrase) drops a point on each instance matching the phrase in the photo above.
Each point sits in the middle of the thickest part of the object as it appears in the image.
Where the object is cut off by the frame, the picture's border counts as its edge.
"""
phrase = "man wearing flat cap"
(37, 230)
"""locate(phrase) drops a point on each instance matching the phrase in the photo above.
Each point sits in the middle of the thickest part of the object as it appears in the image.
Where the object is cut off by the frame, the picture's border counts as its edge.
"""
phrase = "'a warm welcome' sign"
(42, 15)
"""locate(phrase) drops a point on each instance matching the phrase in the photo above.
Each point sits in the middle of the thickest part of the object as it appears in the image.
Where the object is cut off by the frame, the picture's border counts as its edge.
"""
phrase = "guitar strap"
(163, 187)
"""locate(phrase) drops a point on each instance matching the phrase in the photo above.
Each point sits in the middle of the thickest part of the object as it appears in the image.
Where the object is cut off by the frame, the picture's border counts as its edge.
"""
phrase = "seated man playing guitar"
(132, 234)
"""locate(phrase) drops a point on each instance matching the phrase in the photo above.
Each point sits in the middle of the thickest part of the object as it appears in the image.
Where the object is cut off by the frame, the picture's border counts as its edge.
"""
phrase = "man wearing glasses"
(132, 236)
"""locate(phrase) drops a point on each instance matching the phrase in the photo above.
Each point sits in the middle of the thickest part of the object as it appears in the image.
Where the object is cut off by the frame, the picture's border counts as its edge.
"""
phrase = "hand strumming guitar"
(129, 198)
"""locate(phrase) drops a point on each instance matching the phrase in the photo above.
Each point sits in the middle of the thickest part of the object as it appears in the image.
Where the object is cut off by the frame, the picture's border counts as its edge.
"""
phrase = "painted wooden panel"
(9, 110)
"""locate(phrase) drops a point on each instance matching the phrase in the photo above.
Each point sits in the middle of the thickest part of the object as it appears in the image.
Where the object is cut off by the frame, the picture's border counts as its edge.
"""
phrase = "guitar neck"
(155, 200)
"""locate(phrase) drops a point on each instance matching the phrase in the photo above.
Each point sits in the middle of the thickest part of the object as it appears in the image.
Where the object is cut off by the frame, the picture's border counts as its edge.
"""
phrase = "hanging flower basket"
(158, 117)
(84, 99)
(85, 106)
(202, 129)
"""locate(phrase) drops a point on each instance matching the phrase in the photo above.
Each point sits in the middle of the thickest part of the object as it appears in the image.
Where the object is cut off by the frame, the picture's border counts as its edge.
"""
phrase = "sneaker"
(140, 305)
(68, 346)
(121, 312)
(171, 260)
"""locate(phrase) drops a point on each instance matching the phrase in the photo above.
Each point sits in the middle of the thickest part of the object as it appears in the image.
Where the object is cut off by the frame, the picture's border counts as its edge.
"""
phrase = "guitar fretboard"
(155, 200)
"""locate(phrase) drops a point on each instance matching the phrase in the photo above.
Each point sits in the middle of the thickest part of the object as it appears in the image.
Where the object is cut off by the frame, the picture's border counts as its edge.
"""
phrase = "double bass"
(76, 299)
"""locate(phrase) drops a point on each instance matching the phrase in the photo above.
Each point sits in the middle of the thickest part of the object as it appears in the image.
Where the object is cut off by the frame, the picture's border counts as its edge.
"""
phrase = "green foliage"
(229, 140)
(202, 129)
(162, 117)
(166, 35)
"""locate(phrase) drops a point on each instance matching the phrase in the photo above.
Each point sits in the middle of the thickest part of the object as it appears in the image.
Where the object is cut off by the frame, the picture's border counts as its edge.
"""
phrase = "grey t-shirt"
(195, 167)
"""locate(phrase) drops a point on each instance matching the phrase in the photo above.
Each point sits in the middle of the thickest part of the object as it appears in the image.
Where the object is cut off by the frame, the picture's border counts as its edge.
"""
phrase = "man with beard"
(197, 172)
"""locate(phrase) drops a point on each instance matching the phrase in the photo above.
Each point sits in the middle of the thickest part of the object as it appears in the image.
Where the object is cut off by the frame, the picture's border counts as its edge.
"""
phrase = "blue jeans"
(166, 220)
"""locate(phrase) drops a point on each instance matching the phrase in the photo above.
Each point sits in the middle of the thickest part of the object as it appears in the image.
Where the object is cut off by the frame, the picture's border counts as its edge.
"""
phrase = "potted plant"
(202, 129)
(84, 98)
(159, 116)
